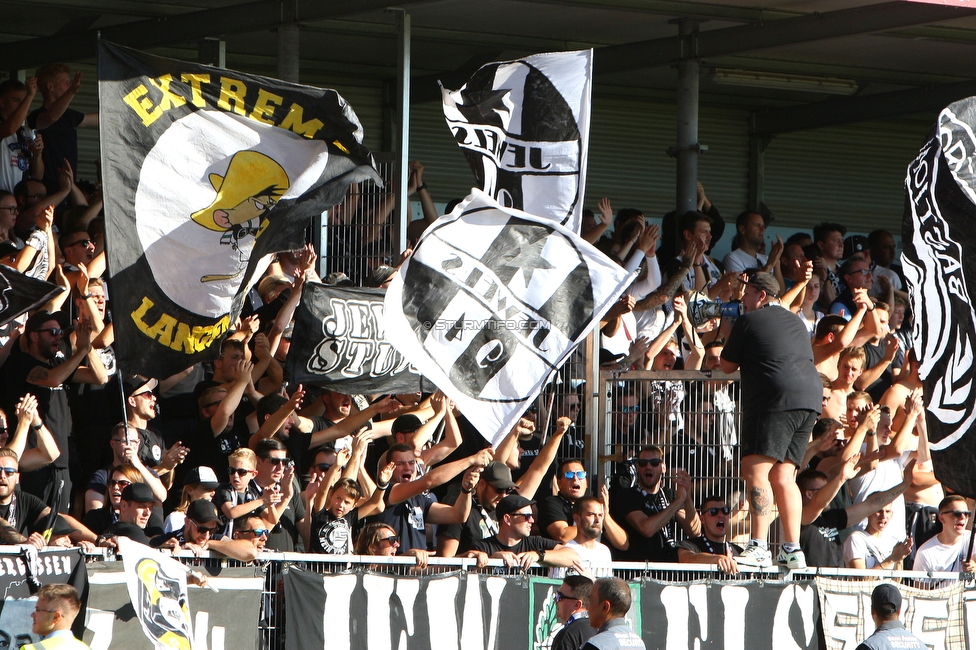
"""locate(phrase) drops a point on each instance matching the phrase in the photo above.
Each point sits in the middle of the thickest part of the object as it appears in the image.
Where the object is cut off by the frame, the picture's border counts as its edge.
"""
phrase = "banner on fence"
(221, 621)
(21, 574)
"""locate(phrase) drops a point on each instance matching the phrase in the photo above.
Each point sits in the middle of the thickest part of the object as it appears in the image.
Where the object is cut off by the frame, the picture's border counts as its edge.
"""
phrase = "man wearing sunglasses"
(514, 544)
(650, 512)
(856, 274)
(948, 551)
(556, 512)
(571, 598)
(711, 547)
(23, 512)
(42, 371)
(253, 530)
(201, 532)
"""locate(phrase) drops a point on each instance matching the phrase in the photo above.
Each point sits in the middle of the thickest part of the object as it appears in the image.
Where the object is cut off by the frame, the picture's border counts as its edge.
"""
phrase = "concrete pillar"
(402, 137)
(289, 36)
(212, 51)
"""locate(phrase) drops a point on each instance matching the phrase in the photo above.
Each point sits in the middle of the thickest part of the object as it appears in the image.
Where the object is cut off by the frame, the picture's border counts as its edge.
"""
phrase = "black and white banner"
(340, 342)
(21, 573)
(227, 620)
(939, 261)
(207, 172)
(492, 301)
(524, 128)
(20, 293)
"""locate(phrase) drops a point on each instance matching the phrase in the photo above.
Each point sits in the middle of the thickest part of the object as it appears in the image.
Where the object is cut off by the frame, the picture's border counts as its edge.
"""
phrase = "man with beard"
(201, 532)
(751, 232)
(650, 512)
(711, 547)
(589, 517)
(43, 371)
(21, 511)
(514, 544)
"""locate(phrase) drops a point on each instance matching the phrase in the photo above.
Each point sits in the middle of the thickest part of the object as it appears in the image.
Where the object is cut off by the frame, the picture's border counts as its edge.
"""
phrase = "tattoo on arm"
(37, 374)
(760, 501)
(663, 293)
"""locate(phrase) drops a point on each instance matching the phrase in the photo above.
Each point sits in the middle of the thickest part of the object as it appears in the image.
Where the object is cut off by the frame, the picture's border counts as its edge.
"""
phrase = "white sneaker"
(794, 560)
(755, 555)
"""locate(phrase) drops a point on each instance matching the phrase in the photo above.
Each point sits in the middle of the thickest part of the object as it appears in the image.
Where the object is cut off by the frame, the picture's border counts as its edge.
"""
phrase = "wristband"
(87, 296)
(542, 554)
(37, 427)
(467, 491)
(383, 487)
(422, 186)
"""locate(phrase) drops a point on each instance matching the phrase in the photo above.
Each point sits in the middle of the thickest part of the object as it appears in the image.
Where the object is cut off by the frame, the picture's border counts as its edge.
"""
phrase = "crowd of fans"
(225, 457)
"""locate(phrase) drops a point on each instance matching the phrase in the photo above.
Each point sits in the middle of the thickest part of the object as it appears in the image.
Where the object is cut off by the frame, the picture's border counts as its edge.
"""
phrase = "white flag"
(492, 301)
(157, 590)
(524, 127)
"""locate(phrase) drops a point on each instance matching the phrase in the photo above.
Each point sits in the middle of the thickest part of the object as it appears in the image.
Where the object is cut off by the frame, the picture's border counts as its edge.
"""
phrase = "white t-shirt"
(739, 260)
(887, 475)
(597, 561)
(873, 550)
(933, 555)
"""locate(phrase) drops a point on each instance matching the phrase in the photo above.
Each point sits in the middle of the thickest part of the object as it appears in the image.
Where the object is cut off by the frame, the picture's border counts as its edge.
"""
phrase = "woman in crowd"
(378, 538)
(200, 483)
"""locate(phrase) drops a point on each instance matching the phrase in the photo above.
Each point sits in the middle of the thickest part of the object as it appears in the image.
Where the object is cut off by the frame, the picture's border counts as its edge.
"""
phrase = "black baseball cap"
(765, 281)
(138, 493)
(498, 475)
(202, 512)
(39, 318)
(136, 385)
(510, 504)
(886, 599)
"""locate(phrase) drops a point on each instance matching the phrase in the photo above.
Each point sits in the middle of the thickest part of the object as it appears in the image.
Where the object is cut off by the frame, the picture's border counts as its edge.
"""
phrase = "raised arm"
(532, 478)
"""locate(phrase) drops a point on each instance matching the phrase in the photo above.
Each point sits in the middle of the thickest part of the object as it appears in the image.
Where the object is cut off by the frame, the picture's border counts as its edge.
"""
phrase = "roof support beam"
(858, 109)
(248, 17)
(775, 33)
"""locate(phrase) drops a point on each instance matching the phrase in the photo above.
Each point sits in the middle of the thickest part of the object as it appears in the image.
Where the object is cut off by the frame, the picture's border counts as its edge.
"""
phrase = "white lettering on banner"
(930, 621)
(782, 632)
(101, 624)
(734, 600)
(201, 624)
(338, 592)
(675, 601)
(845, 612)
(355, 329)
(510, 153)
(378, 590)
(495, 588)
(438, 593)
(698, 597)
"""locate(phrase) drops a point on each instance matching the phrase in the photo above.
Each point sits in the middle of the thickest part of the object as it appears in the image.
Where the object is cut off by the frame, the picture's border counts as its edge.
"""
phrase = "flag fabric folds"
(492, 301)
(206, 173)
(939, 261)
(524, 128)
(339, 341)
(20, 293)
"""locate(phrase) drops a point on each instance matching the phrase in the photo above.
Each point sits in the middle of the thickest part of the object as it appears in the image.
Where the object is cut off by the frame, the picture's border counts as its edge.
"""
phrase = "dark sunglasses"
(560, 596)
(653, 462)
(83, 242)
(53, 331)
(323, 467)
(527, 516)
(257, 532)
(571, 475)
(278, 461)
(119, 481)
(9, 471)
(630, 409)
(392, 540)
(957, 513)
(240, 471)
(205, 529)
(714, 511)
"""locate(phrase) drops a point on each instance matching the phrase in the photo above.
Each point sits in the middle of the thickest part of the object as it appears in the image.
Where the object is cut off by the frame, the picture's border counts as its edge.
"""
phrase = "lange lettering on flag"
(492, 301)
(524, 128)
(939, 260)
(340, 341)
(207, 172)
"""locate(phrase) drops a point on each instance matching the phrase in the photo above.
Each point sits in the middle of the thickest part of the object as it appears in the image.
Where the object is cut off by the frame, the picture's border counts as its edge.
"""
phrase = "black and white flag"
(207, 172)
(20, 293)
(524, 127)
(939, 261)
(492, 301)
(339, 342)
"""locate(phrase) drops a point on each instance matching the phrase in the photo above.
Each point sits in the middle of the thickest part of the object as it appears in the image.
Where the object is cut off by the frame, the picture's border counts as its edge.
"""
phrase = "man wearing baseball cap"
(782, 396)
(135, 508)
(514, 545)
(140, 408)
(201, 533)
(889, 632)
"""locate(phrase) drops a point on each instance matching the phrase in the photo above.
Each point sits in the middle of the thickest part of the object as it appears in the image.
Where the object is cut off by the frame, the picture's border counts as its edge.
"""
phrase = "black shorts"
(782, 435)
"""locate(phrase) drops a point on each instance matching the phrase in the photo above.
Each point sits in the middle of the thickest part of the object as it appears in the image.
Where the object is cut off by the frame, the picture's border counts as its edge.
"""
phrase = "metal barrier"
(273, 566)
(693, 416)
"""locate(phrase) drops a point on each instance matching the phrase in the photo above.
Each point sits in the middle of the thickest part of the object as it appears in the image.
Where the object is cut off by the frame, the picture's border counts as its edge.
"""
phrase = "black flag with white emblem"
(340, 342)
(939, 260)
(524, 127)
(20, 293)
(492, 301)
(207, 172)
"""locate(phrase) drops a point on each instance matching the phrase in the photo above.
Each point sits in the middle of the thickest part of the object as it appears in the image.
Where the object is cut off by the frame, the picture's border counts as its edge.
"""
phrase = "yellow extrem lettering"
(170, 99)
(195, 81)
(293, 121)
(232, 90)
(138, 100)
(265, 106)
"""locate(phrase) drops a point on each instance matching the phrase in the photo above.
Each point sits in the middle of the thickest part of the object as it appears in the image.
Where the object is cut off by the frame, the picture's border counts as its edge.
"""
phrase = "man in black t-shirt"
(42, 371)
(781, 397)
(140, 408)
(650, 512)
(201, 533)
(712, 547)
(514, 545)
(23, 512)
(556, 511)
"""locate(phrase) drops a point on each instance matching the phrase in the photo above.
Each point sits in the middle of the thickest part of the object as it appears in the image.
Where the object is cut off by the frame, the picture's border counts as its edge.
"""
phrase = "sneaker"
(794, 560)
(754, 555)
